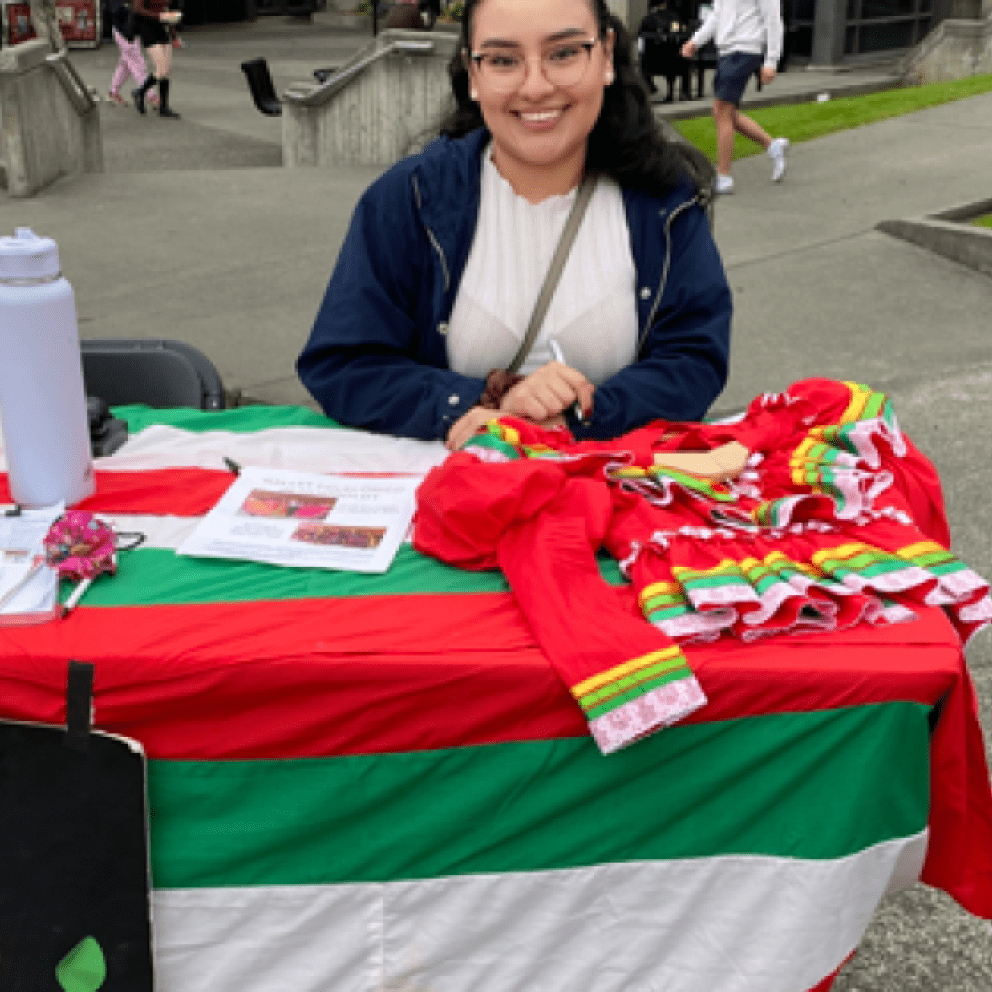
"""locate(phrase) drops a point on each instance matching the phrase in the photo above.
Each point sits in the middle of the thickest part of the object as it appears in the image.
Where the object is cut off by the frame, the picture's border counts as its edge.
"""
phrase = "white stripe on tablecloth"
(720, 924)
(303, 449)
(159, 531)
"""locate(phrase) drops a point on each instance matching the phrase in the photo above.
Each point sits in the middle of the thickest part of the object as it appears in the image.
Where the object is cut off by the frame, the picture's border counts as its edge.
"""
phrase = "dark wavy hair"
(626, 142)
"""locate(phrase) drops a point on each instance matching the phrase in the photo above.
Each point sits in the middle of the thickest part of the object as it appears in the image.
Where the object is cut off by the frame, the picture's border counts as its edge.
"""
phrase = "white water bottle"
(42, 399)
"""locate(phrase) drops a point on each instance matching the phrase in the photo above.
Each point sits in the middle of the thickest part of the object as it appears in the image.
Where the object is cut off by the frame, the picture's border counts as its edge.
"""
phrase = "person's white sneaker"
(776, 152)
(724, 184)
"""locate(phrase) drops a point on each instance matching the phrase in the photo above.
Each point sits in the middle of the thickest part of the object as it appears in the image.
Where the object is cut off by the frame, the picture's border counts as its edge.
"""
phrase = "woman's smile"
(540, 120)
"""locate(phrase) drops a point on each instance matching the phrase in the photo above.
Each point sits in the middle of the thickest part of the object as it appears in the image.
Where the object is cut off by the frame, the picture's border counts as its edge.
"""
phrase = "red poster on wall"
(79, 21)
(19, 26)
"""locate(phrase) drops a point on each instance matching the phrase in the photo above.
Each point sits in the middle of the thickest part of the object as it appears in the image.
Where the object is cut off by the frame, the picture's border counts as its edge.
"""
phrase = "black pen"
(232, 465)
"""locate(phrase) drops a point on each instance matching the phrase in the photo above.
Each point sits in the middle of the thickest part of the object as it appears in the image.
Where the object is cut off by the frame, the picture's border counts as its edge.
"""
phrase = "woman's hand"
(466, 425)
(688, 50)
(547, 392)
(463, 429)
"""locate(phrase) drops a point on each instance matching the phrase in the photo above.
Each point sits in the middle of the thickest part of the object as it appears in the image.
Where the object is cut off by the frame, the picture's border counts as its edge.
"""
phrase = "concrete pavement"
(196, 232)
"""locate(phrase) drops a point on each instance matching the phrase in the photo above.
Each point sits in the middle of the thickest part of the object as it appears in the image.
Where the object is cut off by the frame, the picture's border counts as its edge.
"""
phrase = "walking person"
(152, 18)
(132, 60)
(742, 29)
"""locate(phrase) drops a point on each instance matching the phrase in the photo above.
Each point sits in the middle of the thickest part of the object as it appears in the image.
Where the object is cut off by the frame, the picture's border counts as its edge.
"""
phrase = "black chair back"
(157, 372)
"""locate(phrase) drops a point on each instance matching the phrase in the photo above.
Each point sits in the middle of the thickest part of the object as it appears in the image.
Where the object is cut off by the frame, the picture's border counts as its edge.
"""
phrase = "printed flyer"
(28, 587)
(305, 520)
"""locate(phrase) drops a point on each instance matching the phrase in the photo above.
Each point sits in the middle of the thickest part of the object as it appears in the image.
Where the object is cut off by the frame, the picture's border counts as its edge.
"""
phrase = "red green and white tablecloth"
(366, 783)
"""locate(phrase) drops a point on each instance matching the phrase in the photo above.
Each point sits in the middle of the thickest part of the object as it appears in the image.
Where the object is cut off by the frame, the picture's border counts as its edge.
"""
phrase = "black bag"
(74, 877)
(107, 432)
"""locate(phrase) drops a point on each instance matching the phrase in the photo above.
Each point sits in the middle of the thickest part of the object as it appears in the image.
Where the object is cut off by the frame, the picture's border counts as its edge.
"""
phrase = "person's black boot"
(164, 109)
(139, 94)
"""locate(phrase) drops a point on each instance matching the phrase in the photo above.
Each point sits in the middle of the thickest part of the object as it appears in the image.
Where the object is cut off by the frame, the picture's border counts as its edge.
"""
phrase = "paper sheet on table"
(305, 520)
(21, 549)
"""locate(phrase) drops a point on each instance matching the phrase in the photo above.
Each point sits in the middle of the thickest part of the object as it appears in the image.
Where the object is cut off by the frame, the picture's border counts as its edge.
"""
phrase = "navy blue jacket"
(376, 357)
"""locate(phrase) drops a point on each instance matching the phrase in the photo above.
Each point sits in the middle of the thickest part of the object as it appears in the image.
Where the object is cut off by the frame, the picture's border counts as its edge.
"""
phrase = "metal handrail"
(319, 96)
(77, 91)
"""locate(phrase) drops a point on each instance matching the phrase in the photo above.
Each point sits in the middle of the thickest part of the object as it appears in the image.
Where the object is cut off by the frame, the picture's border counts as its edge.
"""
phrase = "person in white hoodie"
(748, 37)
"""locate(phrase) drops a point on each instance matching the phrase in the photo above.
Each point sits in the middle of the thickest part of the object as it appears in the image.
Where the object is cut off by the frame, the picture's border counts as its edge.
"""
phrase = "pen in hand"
(559, 356)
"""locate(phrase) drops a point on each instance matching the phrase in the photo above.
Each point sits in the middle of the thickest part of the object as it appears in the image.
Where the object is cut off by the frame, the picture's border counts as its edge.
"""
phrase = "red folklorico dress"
(837, 520)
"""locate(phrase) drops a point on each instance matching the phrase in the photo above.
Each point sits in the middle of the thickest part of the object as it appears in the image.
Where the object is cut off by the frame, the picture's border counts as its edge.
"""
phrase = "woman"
(152, 18)
(132, 59)
(441, 266)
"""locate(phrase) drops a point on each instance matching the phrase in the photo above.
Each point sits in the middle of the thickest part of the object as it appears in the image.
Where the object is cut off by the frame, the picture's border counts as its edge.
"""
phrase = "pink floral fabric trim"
(658, 708)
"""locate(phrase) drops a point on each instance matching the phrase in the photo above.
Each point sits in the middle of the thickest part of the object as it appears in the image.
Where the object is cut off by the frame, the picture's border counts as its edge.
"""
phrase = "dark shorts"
(151, 31)
(732, 73)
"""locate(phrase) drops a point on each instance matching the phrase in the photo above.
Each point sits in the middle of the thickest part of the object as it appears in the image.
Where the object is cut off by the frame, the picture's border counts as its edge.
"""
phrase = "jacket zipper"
(665, 268)
(430, 234)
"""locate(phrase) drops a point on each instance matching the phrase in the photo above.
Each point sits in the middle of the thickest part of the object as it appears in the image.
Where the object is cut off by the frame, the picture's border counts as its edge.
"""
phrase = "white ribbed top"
(593, 313)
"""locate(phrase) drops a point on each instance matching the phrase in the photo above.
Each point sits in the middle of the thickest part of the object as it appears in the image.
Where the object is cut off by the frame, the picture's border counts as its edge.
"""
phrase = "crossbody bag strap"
(555, 269)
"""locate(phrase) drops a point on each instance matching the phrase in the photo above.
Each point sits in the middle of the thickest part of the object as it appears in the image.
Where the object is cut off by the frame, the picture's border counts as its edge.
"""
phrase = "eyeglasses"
(563, 65)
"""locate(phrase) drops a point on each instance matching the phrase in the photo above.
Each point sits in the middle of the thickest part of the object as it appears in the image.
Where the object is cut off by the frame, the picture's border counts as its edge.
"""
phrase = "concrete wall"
(42, 135)
(948, 233)
(953, 50)
(960, 10)
(379, 116)
(631, 12)
(389, 108)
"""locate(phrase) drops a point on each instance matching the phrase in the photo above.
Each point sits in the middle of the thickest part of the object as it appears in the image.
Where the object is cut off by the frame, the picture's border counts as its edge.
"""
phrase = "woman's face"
(538, 123)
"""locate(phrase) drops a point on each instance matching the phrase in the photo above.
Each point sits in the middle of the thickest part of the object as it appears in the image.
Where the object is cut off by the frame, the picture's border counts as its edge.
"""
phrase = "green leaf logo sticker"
(83, 969)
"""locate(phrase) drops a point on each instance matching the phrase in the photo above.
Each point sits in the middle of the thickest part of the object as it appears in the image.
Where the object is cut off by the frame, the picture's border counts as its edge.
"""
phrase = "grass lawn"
(985, 221)
(806, 121)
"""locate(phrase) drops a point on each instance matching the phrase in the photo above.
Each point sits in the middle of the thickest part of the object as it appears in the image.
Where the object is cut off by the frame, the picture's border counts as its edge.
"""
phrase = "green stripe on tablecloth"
(769, 785)
(158, 576)
(241, 420)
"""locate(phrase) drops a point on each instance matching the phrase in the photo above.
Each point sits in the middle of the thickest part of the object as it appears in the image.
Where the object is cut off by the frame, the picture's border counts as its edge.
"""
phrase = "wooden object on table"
(725, 462)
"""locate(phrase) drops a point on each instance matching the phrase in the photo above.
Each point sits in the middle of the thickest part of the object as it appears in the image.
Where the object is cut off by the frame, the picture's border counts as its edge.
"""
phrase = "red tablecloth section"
(296, 681)
(297, 676)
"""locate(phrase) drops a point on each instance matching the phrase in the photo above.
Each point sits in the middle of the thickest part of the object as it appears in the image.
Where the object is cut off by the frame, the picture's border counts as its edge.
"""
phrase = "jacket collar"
(448, 180)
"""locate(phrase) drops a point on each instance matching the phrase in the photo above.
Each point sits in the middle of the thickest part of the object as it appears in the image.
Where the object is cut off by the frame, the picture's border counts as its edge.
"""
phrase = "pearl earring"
(474, 95)
(609, 76)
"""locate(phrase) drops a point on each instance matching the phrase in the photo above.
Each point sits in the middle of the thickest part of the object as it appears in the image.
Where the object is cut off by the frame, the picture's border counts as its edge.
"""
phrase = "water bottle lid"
(26, 256)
